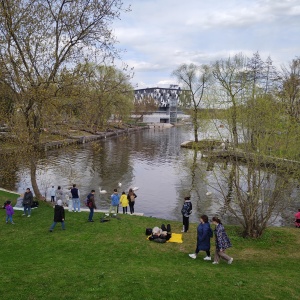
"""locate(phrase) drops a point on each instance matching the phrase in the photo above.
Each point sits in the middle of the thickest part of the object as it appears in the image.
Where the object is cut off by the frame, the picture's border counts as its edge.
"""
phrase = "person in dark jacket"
(161, 235)
(59, 215)
(186, 212)
(131, 198)
(222, 242)
(91, 204)
(27, 202)
(75, 198)
(204, 233)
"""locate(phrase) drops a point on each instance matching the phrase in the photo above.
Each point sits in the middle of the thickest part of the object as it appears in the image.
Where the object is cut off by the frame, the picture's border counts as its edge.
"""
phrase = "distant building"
(168, 100)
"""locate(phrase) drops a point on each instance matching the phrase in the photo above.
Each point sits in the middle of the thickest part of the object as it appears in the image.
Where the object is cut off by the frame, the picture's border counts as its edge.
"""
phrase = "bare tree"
(290, 90)
(231, 78)
(195, 80)
(255, 196)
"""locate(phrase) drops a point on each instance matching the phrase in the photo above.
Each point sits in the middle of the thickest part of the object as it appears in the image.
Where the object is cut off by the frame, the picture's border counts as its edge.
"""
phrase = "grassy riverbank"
(113, 260)
(64, 135)
(4, 195)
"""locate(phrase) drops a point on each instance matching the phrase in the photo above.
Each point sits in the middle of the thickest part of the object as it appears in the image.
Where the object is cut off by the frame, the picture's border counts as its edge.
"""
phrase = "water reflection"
(151, 160)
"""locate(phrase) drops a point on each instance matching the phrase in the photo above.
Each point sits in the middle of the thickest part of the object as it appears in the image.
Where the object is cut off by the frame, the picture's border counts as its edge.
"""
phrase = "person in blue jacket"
(115, 201)
(204, 234)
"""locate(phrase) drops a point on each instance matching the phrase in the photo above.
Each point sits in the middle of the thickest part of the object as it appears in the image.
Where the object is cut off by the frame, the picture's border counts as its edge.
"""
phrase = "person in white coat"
(52, 193)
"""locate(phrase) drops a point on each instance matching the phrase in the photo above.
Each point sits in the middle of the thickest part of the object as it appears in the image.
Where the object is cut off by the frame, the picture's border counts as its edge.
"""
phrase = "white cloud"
(160, 35)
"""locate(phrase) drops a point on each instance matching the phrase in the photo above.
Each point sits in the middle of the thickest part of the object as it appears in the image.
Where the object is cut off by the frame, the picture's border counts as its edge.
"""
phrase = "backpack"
(87, 202)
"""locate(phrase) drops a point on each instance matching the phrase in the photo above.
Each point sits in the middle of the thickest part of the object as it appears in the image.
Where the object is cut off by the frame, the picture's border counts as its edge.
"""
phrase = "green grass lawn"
(113, 260)
(8, 196)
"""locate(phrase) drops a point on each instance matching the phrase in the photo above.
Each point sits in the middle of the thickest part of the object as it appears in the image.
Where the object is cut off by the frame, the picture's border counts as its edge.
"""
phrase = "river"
(151, 160)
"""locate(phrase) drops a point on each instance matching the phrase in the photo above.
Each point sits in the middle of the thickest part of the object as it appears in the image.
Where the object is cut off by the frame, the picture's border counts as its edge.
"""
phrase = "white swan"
(135, 188)
(208, 193)
(119, 184)
(102, 191)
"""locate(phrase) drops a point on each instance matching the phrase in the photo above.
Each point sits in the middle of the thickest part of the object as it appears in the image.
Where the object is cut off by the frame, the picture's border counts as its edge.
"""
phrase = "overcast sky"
(159, 35)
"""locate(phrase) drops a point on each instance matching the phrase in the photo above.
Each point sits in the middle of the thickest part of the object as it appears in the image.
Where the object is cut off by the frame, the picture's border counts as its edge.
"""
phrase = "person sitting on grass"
(161, 235)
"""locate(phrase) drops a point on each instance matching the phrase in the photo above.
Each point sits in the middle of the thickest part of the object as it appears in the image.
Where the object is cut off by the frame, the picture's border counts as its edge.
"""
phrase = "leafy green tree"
(143, 106)
(37, 39)
(257, 187)
(107, 93)
(254, 188)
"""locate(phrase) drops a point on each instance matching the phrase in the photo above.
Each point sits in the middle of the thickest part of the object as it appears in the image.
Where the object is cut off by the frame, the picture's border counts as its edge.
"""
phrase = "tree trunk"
(34, 184)
(234, 126)
(193, 169)
(195, 123)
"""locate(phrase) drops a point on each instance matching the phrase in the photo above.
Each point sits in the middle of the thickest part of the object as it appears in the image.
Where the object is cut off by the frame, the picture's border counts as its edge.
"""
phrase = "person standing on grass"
(115, 201)
(52, 194)
(9, 212)
(59, 194)
(59, 215)
(204, 233)
(131, 199)
(91, 204)
(27, 202)
(186, 212)
(222, 242)
(124, 202)
(75, 198)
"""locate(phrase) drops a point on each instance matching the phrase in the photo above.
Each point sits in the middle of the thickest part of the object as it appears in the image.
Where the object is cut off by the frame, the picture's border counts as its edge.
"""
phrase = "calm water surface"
(151, 160)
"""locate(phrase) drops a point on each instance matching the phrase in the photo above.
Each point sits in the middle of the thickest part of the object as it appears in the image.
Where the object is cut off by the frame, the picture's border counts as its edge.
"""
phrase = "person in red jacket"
(91, 204)
(297, 219)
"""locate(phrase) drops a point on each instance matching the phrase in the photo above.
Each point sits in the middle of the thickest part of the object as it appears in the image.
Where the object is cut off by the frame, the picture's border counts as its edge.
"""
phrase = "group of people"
(58, 194)
(116, 199)
(205, 233)
(27, 203)
(124, 200)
